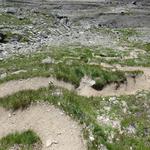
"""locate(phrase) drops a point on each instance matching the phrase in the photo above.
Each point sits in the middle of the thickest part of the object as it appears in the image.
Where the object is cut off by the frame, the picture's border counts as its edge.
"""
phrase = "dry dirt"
(56, 130)
(32, 84)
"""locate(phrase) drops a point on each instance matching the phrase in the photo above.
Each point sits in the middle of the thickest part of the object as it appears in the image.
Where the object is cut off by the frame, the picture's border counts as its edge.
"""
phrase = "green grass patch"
(26, 140)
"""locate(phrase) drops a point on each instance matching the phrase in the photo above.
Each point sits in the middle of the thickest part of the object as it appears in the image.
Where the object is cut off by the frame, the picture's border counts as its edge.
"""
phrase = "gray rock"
(11, 10)
(21, 17)
(131, 129)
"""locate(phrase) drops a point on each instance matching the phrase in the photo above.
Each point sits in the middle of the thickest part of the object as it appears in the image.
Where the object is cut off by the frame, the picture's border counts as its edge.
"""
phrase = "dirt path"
(56, 130)
(12, 87)
(142, 82)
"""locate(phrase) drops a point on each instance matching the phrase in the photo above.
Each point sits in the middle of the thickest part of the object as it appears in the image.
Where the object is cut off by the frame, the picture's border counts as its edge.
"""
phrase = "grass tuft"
(26, 139)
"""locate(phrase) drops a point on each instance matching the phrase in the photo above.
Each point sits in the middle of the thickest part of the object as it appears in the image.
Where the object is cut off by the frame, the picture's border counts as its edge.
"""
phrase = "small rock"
(48, 60)
(57, 93)
(9, 115)
(102, 147)
(4, 75)
(21, 17)
(50, 142)
(91, 137)
(59, 103)
(131, 129)
(59, 133)
(87, 81)
(19, 71)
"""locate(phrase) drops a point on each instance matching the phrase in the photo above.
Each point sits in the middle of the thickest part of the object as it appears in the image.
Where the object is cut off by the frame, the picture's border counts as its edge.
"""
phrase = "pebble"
(48, 60)
(51, 142)
(4, 75)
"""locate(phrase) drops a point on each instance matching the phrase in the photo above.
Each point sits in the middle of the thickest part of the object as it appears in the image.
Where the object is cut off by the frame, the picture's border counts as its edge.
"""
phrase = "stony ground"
(91, 59)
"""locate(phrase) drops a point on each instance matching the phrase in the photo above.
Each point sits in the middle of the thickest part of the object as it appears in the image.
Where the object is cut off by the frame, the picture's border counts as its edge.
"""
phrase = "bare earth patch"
(32, 84)
(56, 130)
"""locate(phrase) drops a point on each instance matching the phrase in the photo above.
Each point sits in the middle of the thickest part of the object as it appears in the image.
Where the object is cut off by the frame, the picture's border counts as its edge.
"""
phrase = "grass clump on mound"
(24, 140)
(75, 72)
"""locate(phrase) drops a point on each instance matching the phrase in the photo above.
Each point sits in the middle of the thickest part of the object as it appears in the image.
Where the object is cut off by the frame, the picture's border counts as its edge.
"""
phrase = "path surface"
(142, 82)
(56, 130)
(12, 87)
